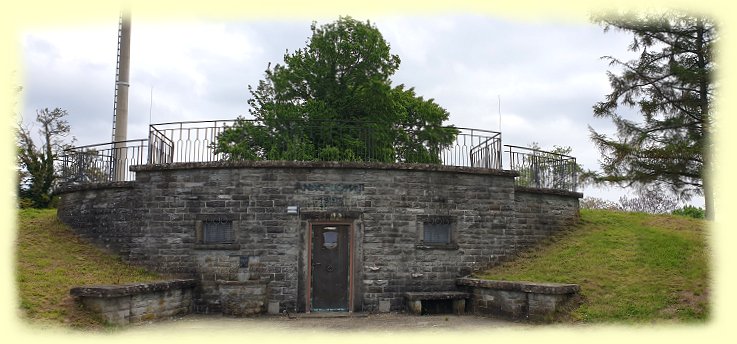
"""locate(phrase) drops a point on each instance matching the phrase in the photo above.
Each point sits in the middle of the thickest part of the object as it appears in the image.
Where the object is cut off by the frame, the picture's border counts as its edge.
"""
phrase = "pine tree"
(671, 85)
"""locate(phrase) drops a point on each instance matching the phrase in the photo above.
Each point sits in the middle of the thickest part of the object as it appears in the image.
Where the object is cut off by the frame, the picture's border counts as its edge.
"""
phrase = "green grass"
(51, 260)
(632, 267)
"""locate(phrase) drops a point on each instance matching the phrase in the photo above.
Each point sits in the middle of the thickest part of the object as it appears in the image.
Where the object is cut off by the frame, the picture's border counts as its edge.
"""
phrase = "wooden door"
(330, 267)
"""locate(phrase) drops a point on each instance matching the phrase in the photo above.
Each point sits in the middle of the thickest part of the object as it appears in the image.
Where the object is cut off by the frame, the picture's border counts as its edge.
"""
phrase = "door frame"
(308, 291)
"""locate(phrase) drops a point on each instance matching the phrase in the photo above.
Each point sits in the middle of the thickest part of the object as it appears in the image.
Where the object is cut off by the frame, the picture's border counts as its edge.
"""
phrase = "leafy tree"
(37, 164)
(671, 84)
(333, 100)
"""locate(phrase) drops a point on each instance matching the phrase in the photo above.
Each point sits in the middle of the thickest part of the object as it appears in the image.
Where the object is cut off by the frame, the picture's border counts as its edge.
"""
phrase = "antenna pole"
(499, 102)
(120, 119)
(150, 104)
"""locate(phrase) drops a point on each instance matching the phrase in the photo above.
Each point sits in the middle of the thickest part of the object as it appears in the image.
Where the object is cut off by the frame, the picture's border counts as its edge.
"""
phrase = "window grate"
(436, 233)
(217, 232)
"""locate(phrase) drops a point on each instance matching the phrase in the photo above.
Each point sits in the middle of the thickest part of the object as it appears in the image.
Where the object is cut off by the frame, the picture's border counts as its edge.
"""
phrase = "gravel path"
(385, 322)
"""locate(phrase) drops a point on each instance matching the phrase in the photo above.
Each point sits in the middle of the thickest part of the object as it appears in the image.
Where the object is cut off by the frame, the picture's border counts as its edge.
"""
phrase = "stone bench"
(518, 299)
(134, 303)
(414, 300)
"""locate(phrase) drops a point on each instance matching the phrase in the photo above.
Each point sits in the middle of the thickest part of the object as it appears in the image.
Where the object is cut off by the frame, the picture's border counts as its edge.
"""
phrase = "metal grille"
(217, 232)
(327, 141)
(436, 233)
(107, 162)
(543, 170)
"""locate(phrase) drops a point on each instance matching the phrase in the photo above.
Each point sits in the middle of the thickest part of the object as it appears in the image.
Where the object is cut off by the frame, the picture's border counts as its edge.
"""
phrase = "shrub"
(25, 202)
(690, 211)
(653, 199)
(598, 203)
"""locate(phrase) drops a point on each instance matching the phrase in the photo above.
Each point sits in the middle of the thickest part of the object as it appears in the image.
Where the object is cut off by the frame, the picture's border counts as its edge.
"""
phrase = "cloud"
(547, 74)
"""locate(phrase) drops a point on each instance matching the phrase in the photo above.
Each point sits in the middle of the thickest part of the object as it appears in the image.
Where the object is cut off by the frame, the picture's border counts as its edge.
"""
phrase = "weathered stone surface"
(436, 295)
(384, 306)
(243, 298)
(516, 299)
(134, 303)
(153, 222)
(318, 164)
(94, 186)
(522, 189)
(415, 307)
(523, 286)
(459, 306)
(111, 291)
(273, 308)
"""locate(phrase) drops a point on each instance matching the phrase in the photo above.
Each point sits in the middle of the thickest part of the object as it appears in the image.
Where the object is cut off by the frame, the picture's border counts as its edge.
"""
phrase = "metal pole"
(121, 111)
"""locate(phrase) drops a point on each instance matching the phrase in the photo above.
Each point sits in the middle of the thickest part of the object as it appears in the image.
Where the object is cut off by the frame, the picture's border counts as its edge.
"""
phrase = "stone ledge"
(557, 192)
(239, 283)
(230, 247)
(93, 186)
(323, 164)
(448, 247)
(436, 295)
(111, 291)
(522, 286)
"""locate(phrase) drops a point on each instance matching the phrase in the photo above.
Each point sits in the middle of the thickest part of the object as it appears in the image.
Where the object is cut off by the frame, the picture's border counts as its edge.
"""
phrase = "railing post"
(149, 159)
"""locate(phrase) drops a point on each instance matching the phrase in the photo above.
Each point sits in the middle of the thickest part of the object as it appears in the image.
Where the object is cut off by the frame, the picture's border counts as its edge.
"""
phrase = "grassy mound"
(51, 260)
(632, 267)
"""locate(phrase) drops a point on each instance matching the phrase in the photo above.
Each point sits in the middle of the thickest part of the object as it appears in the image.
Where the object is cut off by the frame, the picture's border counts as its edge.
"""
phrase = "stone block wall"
(242, 298)
(386, 206)
(541, 213)
(103, 213)
(135, 303)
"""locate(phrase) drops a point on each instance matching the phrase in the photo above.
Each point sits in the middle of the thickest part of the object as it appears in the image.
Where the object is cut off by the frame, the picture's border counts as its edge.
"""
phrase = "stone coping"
(239, 283)
(322, 164)
(523, 286)
(557, 192)
(226, 247)
(436, 295)
(94, 186)
(109, 291)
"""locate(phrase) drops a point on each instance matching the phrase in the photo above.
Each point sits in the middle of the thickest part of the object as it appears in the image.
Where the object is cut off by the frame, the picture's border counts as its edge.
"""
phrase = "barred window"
(436, 233)
(217, 232)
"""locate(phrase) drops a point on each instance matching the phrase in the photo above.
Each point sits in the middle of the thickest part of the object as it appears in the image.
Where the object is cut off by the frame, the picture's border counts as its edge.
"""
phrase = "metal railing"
(344, 141)
(196, 141)
(543, 170)
(185, 141)
(105, 162)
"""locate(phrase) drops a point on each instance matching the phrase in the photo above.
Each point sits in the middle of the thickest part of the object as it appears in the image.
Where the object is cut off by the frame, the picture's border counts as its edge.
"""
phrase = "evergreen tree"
(671, 85)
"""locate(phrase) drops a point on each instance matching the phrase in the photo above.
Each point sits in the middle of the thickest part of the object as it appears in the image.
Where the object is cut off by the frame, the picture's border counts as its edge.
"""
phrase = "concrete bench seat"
(414, 300)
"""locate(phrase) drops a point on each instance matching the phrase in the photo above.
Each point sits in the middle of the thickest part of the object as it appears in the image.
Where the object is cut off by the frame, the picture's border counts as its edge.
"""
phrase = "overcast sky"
(548, 75)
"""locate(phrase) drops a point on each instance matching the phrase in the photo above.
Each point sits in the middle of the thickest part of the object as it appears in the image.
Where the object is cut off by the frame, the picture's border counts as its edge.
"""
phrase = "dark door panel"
(330, 265)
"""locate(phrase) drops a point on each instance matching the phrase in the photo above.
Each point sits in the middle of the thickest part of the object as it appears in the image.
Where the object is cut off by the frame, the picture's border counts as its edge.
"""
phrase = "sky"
(541, 77)
(546, 70)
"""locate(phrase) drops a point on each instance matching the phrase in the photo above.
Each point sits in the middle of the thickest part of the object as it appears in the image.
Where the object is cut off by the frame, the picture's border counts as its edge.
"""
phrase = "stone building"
(315, 236)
